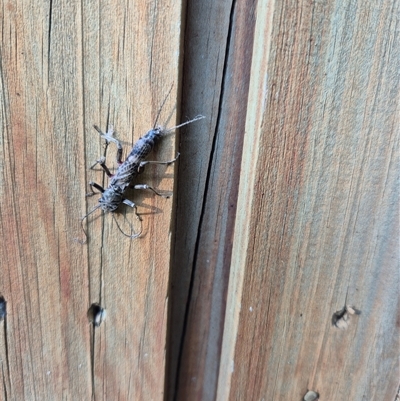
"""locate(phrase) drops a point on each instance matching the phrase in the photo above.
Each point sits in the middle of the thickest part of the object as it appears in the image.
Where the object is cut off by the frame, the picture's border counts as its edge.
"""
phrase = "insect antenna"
(127, 235)
(83, 229)
(162, 105)
(199, 117)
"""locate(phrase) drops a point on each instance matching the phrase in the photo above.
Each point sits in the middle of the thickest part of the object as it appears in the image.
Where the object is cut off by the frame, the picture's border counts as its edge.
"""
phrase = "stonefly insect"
(113, 196)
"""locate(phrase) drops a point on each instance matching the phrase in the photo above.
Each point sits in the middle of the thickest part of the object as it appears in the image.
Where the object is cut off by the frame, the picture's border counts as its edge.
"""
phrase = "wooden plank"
(142, 65)
(202, 87)
(203, 248)
(64, 67)
(44, 275)
(320, 221)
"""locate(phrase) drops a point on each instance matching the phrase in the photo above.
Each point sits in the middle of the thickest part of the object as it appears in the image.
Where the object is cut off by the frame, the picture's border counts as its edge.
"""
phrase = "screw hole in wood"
(96, 314)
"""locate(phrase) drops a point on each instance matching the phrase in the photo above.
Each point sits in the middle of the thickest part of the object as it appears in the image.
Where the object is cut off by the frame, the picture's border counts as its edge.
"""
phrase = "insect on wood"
(113, 196)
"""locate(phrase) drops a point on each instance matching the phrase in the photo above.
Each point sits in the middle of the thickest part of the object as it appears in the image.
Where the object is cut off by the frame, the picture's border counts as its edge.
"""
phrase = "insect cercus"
(113, 195)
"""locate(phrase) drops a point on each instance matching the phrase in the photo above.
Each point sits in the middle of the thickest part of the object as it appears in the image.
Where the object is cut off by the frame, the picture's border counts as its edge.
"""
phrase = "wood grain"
(320, 220)
(64, 67)
(206, 33)
(288, 191)
(205, 253)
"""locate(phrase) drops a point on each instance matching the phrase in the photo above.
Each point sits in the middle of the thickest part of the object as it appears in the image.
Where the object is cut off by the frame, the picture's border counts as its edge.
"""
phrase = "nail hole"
(341, 318)
(3, 308)
(96, 314)
(311, 396)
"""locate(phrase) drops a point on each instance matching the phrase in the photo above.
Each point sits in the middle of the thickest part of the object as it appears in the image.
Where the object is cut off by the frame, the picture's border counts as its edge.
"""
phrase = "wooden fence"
(273, 271)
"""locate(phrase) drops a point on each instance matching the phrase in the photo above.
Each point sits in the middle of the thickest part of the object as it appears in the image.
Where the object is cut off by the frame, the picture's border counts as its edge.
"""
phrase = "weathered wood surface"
(203, 247)
(319, 226)
(317, 221)
(64, 67)
(313, 90)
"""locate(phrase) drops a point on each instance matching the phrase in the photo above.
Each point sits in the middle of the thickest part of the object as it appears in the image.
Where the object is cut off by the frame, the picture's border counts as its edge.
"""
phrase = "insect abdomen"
(130, 167)
(145, 144)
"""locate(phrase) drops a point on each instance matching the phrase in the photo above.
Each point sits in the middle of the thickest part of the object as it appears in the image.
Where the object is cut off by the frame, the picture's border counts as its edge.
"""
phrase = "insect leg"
(108, 136)
(132, 205)
(102, 162)
(145, 186)
(97, 186)
(129, 203)
(142, 164)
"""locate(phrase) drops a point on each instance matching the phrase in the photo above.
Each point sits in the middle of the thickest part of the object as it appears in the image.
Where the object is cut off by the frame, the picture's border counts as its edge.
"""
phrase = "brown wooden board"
(207, 189)
(319, 201)
(288, 192)
(66, 66)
